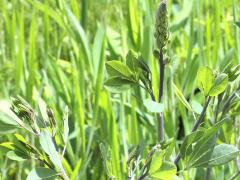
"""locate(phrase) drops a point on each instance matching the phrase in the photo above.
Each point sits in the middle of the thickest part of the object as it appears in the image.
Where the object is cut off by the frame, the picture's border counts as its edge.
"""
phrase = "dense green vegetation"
(80, 80)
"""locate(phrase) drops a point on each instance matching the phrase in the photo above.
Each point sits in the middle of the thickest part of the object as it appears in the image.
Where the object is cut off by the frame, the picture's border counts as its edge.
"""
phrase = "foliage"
(92, 95)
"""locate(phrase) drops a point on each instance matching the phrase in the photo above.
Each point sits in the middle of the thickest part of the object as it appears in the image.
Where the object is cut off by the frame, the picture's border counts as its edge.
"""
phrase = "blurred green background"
(56, 49)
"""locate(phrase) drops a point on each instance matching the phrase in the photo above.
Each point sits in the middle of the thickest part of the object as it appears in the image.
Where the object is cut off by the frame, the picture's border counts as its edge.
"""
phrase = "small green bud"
(156, 53)
(161, 26)
(51, 117)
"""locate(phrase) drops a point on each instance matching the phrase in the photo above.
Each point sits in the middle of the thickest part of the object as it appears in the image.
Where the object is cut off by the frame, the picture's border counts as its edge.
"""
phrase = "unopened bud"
(161, 26)
(51, 117)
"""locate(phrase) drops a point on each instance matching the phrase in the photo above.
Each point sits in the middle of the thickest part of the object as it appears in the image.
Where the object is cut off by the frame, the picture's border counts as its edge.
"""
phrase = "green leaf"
(153, 106)
(143, 65)
(197, 107)
(140, 69)
(234, 73)
(43, 121)
(167, 171)
(6, 128)
(117, 68)
(23, 142)
(222, 154)
(9, 122)
(118, 84)
(219, 85)
(203, 148)
(202, 152)
(17, 156)
(42, 173)
(132, 61)
(168, 145)
(8, 145)
(180, 96)
(186, 147)
(156, 161)
(49, 148)
(205, 79)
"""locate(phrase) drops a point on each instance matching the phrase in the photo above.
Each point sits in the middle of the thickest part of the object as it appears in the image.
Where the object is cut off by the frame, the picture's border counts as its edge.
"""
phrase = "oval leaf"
(205, 79)
(49, 148)
(156, 162)
(17, 156)
(118, 84)
(42, 173)
(117, 68)
(167, 171)
(153, 106)
(219, 85)
(222, 154)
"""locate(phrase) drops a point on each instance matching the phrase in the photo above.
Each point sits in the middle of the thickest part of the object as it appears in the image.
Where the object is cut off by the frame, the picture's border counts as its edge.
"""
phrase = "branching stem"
(196, 125)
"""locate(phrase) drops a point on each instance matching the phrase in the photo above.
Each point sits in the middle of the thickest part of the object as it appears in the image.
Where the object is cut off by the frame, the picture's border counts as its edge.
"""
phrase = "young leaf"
(153, 106)
(180, 96)
(27, 146)
(17, 156)
(6, 128)
(43, 121)
(42, 173)
(156, 161)
(118, 84)
(8, 145)
(117, 68)
(168, 145)
(167, 171)
(222, 154)
(232, 71)
(197, 107)
(7, 117)
(205, 79)
(49, 148)
(219, 85)
(132, 61)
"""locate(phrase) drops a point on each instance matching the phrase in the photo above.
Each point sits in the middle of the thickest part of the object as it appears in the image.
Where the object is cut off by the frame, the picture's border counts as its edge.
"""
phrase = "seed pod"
(161, 26)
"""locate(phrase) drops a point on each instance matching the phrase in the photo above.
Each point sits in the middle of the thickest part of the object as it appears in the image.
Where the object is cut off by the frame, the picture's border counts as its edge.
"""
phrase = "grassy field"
(54, 51)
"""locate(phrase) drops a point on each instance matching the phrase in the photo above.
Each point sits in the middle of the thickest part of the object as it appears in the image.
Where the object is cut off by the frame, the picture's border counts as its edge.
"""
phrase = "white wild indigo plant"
(204, 147)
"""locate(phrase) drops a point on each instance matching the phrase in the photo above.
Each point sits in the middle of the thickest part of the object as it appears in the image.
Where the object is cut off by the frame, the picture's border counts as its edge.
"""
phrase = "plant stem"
(208, 173)
(161, 67)
(235, 176)
(160, 98)
(196, 125)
